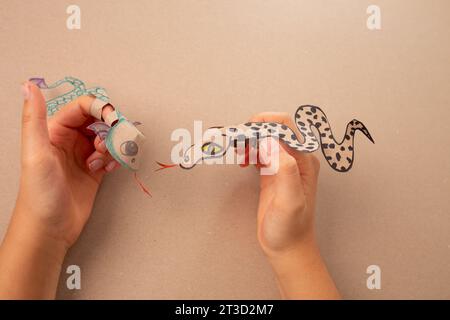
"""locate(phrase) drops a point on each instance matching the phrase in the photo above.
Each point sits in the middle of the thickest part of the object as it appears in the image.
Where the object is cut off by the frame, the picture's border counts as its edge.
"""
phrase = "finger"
(288, 175)
(34, 120)
(100, 145)
(309, 170)
(307, 162)
(77, 112)
(287, 178)
(100, 162)
(112, 166)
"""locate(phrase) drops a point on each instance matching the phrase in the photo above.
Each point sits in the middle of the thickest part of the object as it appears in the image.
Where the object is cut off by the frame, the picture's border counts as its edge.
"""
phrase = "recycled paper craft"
(123, 140)
(339, 155)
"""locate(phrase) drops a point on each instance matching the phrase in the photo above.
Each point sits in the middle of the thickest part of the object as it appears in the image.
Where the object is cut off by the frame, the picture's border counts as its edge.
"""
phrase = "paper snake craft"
(123, 140)
(339, 155)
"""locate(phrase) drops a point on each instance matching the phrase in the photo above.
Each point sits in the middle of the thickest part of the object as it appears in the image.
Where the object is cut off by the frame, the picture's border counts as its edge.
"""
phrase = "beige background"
(168, 63)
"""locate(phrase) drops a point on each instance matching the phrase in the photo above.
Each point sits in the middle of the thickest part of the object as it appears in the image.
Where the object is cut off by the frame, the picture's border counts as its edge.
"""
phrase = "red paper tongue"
(165, 166)
(143, 187)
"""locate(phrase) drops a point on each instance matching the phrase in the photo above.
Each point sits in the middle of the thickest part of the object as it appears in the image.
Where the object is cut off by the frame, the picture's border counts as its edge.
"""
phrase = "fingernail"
(96, 165)
(25, 88)
(110, 166)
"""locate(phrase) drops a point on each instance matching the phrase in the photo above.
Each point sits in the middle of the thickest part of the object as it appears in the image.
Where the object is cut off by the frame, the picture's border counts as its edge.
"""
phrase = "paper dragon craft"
(339, 155)
(123, 140)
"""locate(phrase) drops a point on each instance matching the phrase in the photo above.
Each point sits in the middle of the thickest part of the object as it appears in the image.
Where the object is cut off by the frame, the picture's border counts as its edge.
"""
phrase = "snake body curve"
(339, 155)
(79, 89)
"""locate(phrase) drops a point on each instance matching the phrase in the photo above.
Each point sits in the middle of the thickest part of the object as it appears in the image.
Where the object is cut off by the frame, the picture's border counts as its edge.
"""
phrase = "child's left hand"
(61, 167)
(61, 170)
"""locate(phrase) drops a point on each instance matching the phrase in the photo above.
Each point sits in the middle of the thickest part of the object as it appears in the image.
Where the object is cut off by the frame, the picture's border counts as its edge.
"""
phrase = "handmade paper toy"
(65, 90)
(123, 140)
(339, 155)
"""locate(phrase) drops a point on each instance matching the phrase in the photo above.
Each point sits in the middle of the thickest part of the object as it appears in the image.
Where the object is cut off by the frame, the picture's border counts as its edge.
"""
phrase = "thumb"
(288, 179)
(34, 120)
(286, 200)
(284, 171)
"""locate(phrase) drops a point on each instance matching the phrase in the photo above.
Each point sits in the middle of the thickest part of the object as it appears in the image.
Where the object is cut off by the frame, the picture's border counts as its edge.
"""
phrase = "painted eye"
(211, 148)
(129, 148)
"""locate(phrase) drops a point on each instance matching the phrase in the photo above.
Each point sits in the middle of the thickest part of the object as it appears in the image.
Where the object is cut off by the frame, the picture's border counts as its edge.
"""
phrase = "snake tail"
(339, 155)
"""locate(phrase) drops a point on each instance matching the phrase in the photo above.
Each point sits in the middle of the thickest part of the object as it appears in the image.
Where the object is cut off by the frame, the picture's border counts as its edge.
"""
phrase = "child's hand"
(61, 169)
(286, 219)
(287, 198)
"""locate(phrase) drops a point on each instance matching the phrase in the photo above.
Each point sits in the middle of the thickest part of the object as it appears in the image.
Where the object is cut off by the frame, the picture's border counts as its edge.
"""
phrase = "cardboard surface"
(168, 63)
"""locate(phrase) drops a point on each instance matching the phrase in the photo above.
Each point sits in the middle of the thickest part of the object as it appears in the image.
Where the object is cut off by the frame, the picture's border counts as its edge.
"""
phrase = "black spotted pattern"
(339, 155)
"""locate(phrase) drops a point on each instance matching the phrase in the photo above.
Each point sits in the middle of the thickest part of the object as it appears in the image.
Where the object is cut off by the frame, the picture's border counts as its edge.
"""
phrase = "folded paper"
(339, 155)
(123, 140)
(65, 90)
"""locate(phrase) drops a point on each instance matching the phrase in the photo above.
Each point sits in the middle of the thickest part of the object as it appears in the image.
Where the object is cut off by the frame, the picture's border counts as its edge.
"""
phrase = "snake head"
(214, 146)
(124, 142)
(202, 152)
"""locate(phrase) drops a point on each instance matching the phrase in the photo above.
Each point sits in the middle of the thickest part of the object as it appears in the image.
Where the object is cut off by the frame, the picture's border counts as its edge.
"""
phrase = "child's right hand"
(287, 198)
(286, 220)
